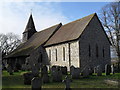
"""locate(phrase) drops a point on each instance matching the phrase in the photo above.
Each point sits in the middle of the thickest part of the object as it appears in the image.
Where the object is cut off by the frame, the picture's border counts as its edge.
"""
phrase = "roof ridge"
(82, 18)
(48, 27)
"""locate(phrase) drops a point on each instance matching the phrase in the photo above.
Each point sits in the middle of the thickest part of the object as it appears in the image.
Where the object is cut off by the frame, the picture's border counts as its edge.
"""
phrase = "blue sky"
(76, 10)
(15, 15)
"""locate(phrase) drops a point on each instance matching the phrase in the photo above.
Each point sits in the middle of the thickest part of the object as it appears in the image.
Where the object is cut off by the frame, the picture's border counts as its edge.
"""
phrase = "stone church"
(79, 43)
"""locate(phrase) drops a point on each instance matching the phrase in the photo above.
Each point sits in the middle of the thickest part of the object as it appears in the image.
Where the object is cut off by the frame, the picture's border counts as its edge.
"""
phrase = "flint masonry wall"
(94, 36)
(59, 56)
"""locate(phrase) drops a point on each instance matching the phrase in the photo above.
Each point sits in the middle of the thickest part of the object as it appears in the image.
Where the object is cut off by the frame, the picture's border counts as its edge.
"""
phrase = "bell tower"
(29, 30)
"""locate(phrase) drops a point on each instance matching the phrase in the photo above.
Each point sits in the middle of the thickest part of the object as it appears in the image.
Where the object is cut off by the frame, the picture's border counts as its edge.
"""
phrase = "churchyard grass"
(16, 81)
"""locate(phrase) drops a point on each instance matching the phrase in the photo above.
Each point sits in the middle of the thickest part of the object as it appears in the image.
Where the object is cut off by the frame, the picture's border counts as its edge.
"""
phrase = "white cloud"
(15, 15)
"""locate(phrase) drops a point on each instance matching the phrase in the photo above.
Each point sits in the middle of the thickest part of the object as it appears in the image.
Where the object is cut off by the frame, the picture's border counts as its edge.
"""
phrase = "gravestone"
(23, 67)
(75, 73)
(35, 70)
(36, 83)
(95, 69)
(67, 82)
(64, 70)
(53, 68)
(27, 78)
(15, 69)
(44, 75)
(28, 67)
(112, 69)
(107, 69)
(9, 68)
(71, 69)
(85, 72)
(90, 71)
(57, 75)
(99, 71)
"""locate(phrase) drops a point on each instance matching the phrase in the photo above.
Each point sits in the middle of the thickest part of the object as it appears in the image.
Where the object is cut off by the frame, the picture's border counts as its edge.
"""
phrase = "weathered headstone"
(27, 78)
(99, 71)
(64, 70)
(107, 69)
(15, 69)
(28, 67)
(44, 69)
(23, 67)
(90, 71)
(71, 69)
(67, 82)
(85, 72)
(35, 70)
(112, 69)
(57, 75)
(36, 83)
(95, 69)
(9, 68)
(53, 69)
(44, 75)
(75, 73)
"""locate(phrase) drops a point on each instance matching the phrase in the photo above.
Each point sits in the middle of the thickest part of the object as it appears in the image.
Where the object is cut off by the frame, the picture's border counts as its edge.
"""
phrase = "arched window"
(56, 54)
(63, 53)
(96, 50)
(89, 51)
(40, 58)
(49, 54)
(103, 52)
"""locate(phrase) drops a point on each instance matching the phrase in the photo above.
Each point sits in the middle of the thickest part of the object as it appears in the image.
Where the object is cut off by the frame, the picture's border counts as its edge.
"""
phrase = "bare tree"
(110, 17)
(8, 42)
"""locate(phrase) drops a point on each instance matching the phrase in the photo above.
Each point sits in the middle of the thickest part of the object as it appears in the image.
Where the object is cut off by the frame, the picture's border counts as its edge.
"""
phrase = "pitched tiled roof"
(35, 41)
(70, 31)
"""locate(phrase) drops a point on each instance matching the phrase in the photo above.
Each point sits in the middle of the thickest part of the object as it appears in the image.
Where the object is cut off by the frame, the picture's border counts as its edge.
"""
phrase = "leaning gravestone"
(75, 73)
(64, 70)
(36, 83)
(27, 78)
(107, 69)
(112, 69)
(99, 71)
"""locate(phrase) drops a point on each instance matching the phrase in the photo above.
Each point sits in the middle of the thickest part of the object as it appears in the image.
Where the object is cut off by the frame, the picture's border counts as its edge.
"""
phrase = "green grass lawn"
(16, 81)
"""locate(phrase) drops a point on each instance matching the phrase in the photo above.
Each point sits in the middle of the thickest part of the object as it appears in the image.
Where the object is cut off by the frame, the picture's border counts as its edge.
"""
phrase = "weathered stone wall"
(74, 54)
(38, 53)
(94, 36)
